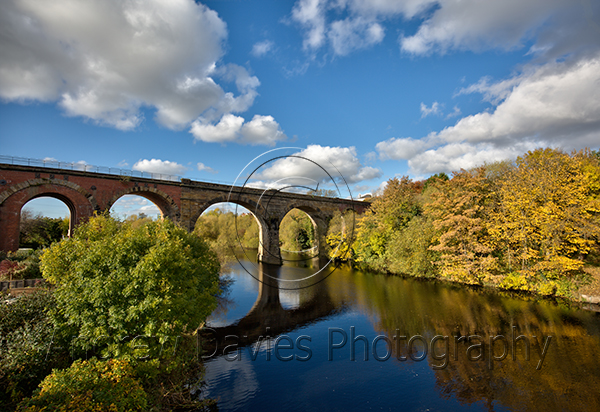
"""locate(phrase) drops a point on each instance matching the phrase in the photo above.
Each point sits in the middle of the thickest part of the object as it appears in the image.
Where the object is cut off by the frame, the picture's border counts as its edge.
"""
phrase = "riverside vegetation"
(529, 225)
(102, 337)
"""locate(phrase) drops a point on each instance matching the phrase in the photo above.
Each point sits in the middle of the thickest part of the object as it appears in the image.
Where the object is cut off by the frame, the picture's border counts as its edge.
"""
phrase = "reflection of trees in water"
(224, 301)
(570, 375)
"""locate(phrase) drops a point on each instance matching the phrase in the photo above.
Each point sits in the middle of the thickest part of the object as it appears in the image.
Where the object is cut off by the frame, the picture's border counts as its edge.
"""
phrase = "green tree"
(90, 386)
(114, 280)
(225, 232)
(26, 337)
(409, 252)
(296, 231)
(40, 231)
(388, 214)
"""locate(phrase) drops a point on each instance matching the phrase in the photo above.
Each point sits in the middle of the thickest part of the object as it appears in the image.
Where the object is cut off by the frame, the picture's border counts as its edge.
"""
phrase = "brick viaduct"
(182, 201)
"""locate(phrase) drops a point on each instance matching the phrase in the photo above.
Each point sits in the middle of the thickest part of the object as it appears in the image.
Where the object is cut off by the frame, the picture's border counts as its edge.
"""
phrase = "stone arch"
(81, 204)
(165, 203)
(318, 218)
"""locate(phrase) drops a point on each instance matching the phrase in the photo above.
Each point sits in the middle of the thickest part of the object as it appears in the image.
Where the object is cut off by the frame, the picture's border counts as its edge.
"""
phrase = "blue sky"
(378, 88)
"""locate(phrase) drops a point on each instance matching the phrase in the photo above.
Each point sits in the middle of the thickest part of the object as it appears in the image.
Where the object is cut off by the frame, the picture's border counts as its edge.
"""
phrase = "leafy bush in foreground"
(90, 386)
(115, 281)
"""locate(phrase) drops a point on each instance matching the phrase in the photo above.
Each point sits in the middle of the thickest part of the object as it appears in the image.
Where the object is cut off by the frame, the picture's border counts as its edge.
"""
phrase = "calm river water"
(362, 341)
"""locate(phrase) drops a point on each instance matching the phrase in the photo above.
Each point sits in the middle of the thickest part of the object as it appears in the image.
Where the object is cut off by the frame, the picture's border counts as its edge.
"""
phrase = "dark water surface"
(420, 363)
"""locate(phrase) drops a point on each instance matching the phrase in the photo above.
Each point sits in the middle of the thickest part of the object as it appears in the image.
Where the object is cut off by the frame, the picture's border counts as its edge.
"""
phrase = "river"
(365, 341)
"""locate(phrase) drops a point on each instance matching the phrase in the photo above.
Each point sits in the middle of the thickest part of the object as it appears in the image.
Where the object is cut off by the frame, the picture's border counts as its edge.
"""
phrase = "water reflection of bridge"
(268, 317)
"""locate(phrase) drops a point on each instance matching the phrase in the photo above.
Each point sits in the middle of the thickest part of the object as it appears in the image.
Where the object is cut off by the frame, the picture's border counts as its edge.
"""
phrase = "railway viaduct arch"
(183, 201)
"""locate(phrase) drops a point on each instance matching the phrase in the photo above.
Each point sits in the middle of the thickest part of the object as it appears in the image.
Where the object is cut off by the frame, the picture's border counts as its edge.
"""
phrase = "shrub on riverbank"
(28, 350)
(90, 386)
(122, 291)
(115, 279)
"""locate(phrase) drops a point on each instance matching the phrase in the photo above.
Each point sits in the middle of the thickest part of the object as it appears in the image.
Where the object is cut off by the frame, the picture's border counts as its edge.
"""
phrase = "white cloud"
(226, 130)
(455, 112)
(555, 26)
(354, 34)
(310, 15)
(426, 111)
(106, 60)
(261, 48)
(133, 205)
(401, 148)
(261, 130)
(357, 31)
(555, 104)
(203, 168)
(159, 166)
(319, 164)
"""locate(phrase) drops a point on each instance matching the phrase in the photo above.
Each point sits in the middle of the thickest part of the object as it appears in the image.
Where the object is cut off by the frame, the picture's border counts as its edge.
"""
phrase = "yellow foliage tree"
(459, 215)
(543, 223)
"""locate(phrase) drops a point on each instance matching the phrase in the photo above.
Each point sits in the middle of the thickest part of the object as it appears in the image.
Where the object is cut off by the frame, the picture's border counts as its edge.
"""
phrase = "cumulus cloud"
(261, 130)
(159, 166)
(106, 60)
(155, 53)
(555, 104)
(261, 48)
(319, 164)
(401, 148)
(133, 205)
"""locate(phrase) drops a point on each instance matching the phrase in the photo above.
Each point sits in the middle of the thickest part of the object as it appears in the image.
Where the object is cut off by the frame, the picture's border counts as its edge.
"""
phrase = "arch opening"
(45, 219)
(229, 228)
(136, 207)
(298, 233)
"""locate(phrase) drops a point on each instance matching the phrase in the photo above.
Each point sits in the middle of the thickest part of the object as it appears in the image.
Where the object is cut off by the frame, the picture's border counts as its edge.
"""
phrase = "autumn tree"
(545, 219)
(341, 234)
(459, 214)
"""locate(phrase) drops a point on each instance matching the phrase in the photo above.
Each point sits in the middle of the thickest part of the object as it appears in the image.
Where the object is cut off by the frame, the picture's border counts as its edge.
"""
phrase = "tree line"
(532, 224)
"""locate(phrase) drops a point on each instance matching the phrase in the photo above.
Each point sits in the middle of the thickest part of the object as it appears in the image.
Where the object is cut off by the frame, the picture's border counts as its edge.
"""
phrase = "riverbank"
(585, 296)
